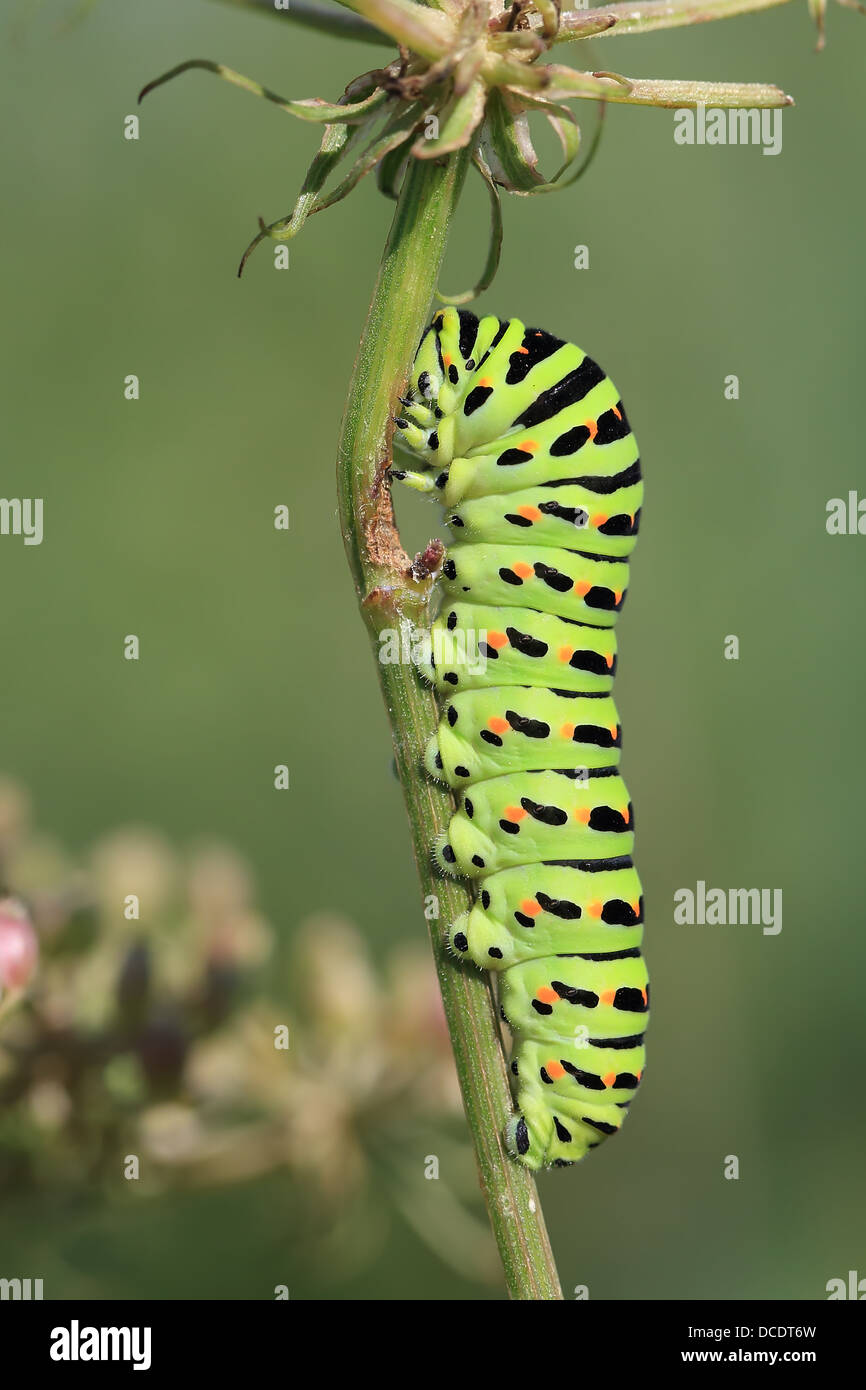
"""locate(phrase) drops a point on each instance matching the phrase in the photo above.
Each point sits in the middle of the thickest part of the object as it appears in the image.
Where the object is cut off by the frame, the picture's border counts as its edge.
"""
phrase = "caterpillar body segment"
(525, 441)
(522, 915)
(476, 645)
(568, 583)
(574, 518)
(556, 729)
(526, 818)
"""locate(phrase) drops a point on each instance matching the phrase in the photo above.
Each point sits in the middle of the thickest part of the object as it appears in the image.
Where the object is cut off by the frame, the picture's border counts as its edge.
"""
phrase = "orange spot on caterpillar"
(607, 996)
(529, 446)
(567, 731)
(531, 513)
(644, 996)
(609, 1078)
(486, 381)
(609, 661)
(554, 1069)
(592, 426)
(546, 995)
(582, 814)
(612, 730)
(530, 908)
(497, 640)
(635, 907)
(617, 412)
(594, 908)
(625, 814)
(514, 813)
(522, 349)
(639, 1074)
(522, 569)
(565, 653)
(617, 595)
(598, 520)
(447, 359)
(582, 586)
(497, 725)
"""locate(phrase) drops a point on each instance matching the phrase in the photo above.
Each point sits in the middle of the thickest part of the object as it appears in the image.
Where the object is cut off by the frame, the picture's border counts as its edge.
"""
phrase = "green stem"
(648, 16)
(393, 595)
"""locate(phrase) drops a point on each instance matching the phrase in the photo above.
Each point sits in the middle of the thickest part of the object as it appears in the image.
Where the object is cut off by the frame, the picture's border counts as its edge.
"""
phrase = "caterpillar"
(527, 443)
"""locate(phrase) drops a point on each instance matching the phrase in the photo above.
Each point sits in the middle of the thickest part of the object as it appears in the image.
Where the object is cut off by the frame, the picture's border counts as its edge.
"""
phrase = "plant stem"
(648, 16)
(394, 594)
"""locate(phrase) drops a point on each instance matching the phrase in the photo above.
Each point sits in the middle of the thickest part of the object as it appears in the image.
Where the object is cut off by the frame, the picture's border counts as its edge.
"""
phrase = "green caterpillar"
(527, 442)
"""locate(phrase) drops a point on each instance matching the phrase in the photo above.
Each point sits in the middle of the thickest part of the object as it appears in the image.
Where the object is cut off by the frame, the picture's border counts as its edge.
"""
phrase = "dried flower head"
(469, 74)
(19, 948)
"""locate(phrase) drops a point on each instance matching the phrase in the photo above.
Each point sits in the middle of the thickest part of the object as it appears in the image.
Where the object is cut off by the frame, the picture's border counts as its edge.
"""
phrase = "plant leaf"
(557, 115)
(494, 248)
(548, 10)
(313, 16)
(516, 148)
(461, 117)
(398, 129)
(508, 148)
(390, 171)
(563, 121)
(308, 109)
(425, 31)
(336, 140)
(565, 82)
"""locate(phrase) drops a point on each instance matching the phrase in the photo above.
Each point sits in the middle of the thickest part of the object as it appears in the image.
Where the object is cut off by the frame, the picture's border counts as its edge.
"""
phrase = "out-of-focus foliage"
(145, 1047)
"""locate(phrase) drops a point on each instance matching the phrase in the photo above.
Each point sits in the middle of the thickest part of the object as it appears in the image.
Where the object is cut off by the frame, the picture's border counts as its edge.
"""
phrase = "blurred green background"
(120, 258)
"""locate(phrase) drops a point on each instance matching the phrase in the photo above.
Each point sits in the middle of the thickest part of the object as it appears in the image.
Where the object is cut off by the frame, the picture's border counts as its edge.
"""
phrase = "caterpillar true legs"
(527, 443)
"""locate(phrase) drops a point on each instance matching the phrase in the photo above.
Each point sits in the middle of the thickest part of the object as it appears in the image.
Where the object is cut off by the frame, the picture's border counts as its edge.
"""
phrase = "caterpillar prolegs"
(527, 443)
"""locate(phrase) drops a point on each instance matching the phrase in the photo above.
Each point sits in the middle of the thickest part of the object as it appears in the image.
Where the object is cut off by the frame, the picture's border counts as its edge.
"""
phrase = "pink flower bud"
(19, 947)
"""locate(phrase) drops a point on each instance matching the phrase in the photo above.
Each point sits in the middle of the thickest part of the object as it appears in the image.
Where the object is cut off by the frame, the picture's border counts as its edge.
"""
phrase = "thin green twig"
(394, 595)
(648, 16)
